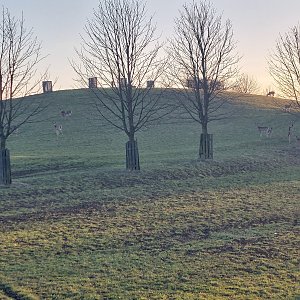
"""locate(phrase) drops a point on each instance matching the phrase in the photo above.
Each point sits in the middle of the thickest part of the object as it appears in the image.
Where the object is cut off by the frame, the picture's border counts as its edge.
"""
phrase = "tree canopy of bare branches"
(121, 50)
(20, 52)
(245, 84)
(204, 62)
(284, 64)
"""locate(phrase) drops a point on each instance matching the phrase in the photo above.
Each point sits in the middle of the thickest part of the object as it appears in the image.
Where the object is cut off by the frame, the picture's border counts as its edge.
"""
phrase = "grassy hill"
(87, 140)
(76, 225)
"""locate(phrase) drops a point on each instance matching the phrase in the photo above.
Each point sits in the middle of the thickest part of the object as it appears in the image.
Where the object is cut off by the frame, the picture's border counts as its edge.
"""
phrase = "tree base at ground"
(132, 156)
(5, 169)
(206, 146)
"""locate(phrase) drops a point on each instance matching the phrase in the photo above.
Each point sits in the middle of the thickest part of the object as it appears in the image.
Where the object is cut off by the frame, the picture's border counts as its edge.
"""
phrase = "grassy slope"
(75, 225)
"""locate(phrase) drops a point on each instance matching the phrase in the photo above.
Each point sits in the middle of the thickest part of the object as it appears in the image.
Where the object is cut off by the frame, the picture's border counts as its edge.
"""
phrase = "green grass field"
(76, 225)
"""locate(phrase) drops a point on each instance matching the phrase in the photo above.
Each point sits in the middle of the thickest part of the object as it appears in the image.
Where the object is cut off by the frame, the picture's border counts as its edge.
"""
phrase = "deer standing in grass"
(66, 113)
(58, 129)
(271, 93)
(264, 130)
(287, 107)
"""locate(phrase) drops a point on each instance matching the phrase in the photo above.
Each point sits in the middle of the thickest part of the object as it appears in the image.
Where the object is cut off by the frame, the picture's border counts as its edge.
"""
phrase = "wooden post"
(206, 146)
(5, 169)
(132, 156)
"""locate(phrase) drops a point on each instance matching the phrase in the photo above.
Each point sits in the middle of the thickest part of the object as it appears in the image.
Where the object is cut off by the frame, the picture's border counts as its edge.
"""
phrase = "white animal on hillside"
(267, 131)
(58, 129)
(287, 107)
(66, 113)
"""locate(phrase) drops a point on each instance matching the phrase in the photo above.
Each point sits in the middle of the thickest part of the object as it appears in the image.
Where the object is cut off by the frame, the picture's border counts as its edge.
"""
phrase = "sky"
(58, 24)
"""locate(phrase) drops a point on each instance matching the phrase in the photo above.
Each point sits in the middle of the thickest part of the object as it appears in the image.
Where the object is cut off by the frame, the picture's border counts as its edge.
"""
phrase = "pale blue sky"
(256, 23)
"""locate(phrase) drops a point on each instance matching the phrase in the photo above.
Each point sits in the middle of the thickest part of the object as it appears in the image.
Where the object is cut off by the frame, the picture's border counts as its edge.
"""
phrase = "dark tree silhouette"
(20, 53)
(120, 49)
(284, 65)
(203, 63)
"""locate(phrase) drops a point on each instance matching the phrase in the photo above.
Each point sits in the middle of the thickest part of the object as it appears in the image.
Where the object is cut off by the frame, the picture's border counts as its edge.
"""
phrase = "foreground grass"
(75, 225)
(234, 241)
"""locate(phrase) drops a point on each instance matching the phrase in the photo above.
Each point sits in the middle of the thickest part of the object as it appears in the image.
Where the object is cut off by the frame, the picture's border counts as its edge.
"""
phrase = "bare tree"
(284, 65)
(203, 63)
(120, 49)
(19, 56)
(245, 84)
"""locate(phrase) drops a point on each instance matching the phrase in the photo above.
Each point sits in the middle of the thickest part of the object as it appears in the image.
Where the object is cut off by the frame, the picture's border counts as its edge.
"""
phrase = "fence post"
(132, 156)
(5, 169)
(206, 146)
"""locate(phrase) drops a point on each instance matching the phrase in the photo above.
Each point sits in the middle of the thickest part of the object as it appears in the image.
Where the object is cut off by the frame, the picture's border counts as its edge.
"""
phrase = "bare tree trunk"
(132, 155)
(5, 169)
(2, 143)
(206, 144)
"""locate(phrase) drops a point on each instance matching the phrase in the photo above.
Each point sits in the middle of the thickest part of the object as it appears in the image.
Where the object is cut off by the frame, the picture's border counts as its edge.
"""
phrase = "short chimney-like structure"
(150, 84)
(47, 86)
(93, 82)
